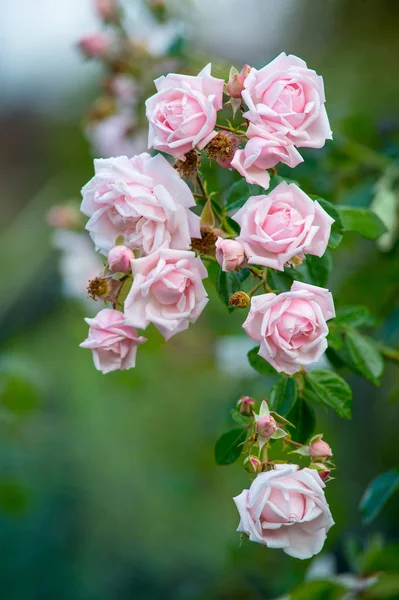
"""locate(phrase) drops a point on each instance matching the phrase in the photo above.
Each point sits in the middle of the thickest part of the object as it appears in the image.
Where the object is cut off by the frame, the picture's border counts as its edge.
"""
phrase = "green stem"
(389, 353)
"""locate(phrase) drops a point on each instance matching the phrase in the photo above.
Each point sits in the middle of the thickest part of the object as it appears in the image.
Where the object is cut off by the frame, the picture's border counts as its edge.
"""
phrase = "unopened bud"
(95, 45)
(322, 470)
(235, 85)
(266, 426)
(320, 449)
(229, 254)
(245, 71)
(245, 405)
(239, 300)
(252, 464)
(106, 9)
(63, 216)
(119, 259)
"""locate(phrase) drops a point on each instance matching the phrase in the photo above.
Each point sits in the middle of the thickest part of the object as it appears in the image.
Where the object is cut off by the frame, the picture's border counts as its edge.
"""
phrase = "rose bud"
(65, 216)
(245, 405)
(320, 449)
(106, 9)
(119, 259)
(235, 85)
(95, 45)
(245, 71)
(252, 464)
(322, 470)
(266, 426)
(229, 254)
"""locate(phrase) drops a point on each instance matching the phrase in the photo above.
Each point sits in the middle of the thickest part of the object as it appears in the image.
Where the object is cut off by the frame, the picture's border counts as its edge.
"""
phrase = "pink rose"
(182, 114)
(96, 45)
(291, 327)
(285, 223)
(263, 151)
(288, 98)
(113, 343)
(141, 198)
(229, 254)
(167, 291)
(286, 508)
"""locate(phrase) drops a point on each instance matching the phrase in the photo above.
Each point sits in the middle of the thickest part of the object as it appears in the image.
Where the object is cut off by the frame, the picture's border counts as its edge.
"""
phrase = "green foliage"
(337, 227)
(260, 364)
(363, 221)
(327, 387)
(378, 493)
(318, 590)
(229, 445)
(353, 316)
(239, 193)
(17, 394)
(319, 268)
(283, 395)
(14, 497)
(302, 415)
(227, 283)
(365, 355)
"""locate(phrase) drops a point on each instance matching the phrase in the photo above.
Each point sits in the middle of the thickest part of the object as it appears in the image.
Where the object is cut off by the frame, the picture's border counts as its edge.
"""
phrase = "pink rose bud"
(266, 426)
(106, 9)
(235, 85)
(322, 470)
(245, 405)
(65, 216)
(229, 254)
(245, 71)
(320, 449)
(252, 464)
(95, 45)
(119, 259)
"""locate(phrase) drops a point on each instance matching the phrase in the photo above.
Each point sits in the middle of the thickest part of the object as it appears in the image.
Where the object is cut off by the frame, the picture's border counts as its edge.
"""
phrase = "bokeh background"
(108, 485)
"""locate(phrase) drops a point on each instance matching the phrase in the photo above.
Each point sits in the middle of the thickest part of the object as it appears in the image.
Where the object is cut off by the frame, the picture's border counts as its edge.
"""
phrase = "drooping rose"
(286, 508)
(182, 114)
(141, 198)
(291, 327)
(167, 291)
(285, 223)
(288, 98)
(113, 343)
(229, 254)
(263, 151)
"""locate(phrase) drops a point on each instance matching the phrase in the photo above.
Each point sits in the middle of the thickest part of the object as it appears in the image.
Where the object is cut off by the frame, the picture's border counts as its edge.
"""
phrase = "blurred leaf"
(260, 364)
(378, 493)
(363, 221)
(14, 497)
(239, 193)
(331, 389)
(227, 284)
(387, 586)
(319, 268)
(365, 355)
(318, 590)
(228, 447)
(17, 394)
(303, 417)
(283, 395)
(353, 316)
(241, 419)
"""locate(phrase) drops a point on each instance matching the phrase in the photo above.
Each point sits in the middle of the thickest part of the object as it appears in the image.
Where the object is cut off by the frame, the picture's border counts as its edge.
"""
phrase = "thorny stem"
(255, 289)
(296, 444)
(230, 129)
(202, 188)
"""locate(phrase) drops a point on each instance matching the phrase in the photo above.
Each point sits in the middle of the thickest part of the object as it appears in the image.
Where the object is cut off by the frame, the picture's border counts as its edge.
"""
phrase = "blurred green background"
(108, 486)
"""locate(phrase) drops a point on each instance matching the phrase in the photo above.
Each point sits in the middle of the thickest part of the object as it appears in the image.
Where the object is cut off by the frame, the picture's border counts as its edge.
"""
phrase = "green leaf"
(229, 446)
(337, 226)
(363, 221)
(283, 395)
(366, 356)
(17, 394)
(378, 493)
(227, 283)
(387, 586)
(319, 268)
(239, 193)
(260, 364)
(353, 316)
(14, 497)
(240, 419)
(330, 388)
(318, 590)
(303, 417)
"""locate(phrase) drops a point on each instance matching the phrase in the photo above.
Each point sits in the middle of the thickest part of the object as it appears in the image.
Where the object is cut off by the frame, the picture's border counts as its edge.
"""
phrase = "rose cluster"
(141, 216)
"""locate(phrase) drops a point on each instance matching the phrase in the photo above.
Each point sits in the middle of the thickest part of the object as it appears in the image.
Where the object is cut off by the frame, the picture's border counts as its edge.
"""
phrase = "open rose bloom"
(167, 291)
(182, 114)
(113, 343)
(286, 508)
(291, 327)
(285, 223)
(287, 98)
(142, 199)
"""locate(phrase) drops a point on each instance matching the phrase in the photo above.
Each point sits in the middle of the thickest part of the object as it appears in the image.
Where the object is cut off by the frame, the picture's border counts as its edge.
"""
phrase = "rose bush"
(291, 327)
(286, 508)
